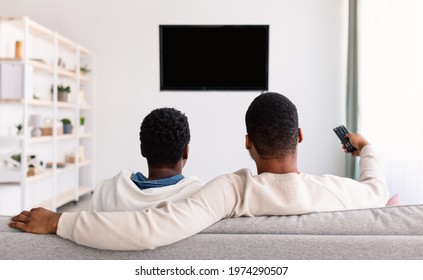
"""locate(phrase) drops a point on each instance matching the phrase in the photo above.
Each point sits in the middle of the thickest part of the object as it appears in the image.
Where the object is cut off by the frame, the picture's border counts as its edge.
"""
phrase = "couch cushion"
(395, 220)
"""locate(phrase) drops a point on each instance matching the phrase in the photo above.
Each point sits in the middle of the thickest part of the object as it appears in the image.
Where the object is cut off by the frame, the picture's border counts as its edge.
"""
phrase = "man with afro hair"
(164, 137)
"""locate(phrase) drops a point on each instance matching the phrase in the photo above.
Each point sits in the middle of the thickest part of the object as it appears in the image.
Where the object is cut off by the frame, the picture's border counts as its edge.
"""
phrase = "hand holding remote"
(358, 141)
(351, 142)
(342, 133)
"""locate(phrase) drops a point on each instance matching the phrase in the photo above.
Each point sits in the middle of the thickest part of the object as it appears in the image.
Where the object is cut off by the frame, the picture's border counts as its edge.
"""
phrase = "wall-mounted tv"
(214, 57)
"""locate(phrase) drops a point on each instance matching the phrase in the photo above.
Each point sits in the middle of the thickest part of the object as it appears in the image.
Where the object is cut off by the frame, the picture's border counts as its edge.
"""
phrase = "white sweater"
(232, 195)
(120, 193)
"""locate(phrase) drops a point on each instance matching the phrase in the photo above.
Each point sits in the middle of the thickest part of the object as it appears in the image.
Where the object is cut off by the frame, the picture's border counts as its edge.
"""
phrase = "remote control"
(341, 132)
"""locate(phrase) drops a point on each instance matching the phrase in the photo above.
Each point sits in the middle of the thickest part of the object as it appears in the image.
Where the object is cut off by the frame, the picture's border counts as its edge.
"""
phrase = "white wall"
(307, 63)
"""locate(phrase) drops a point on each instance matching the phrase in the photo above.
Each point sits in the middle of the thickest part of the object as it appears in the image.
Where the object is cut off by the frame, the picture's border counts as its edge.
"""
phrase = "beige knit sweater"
(232, 195)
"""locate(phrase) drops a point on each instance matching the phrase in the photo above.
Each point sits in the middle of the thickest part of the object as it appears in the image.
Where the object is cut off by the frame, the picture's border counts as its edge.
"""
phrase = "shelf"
(69, 167)
(42, 50)
(43, 139)
(84, 163)
(40, 139)
(85, 79)
(31, 102)
(40, 103)
(66, 105)
(37, 64)
(85, 135)
(72, 74)
(10, 175)
(66, 137)
(66, 73)
(10, 59)
(85, 107)
(11, 100)
(41, 176)
(41, 66)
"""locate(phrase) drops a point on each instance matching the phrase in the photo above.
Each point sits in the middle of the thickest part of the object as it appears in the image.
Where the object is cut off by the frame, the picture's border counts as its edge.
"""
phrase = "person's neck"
(156, 173)
(277, 165)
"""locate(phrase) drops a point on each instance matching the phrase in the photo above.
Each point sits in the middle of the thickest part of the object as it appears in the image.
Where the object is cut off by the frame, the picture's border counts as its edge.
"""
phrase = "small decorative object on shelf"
(81, 125)
(18, 50)
(36, 122)
(84, 69)
(70, 158)
(67, 126)
(34, 166)
(48, 126)
(47, 129)
(81, 154)
(19, 128)
(35, 94)
(58, 165)
(59, 127)
(61, 63)
(32, 171)
(62, 93)
(15, 160)
(82, 101)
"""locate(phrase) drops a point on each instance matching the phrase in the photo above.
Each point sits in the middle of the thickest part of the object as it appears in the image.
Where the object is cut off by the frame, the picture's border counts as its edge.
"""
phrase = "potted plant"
(84, 69)
(19, 127)
(67, 126)
(62, 93)
(81, 125)
(16, 160)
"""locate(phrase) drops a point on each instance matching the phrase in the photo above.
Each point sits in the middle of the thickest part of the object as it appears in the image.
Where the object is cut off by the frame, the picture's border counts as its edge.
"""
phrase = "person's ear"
(142, 152)
(300, 135)
(248, 144)
(186, 152)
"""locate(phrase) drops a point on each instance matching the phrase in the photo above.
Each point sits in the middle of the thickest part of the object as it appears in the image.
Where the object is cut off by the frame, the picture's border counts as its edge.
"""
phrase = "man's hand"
(358, 141)
(38, 220)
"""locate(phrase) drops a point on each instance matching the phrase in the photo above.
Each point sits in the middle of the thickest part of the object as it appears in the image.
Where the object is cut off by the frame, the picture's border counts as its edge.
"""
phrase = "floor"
(81, 205)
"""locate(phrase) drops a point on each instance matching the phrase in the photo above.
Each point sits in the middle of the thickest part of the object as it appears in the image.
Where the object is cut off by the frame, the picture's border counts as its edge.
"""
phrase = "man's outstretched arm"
(138, 230)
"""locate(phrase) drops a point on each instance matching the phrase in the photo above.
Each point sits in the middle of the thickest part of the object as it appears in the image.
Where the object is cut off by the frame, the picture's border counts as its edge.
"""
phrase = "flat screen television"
(214, 57)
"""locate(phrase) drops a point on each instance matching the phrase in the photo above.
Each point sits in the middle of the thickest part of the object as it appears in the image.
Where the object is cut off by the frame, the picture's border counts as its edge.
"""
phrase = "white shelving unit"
(43, 60)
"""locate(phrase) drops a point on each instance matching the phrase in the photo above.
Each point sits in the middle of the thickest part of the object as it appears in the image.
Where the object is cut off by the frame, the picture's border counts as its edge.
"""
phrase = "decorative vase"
(62, 96)
(19, 50)
(81, 129)
(67, 129)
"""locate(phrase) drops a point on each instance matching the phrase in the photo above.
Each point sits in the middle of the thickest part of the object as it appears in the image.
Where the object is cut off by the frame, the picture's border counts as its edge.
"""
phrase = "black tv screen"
(214, 57)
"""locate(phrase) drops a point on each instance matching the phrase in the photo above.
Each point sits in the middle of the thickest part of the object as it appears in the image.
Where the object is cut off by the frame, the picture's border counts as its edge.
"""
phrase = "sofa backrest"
(394, 220)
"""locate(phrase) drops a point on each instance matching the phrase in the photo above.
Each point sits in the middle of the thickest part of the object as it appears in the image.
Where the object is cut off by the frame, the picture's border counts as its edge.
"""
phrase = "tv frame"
(169, 88)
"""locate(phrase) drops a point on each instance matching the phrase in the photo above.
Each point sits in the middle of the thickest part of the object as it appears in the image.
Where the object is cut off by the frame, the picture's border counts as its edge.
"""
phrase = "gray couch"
(379, 233)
